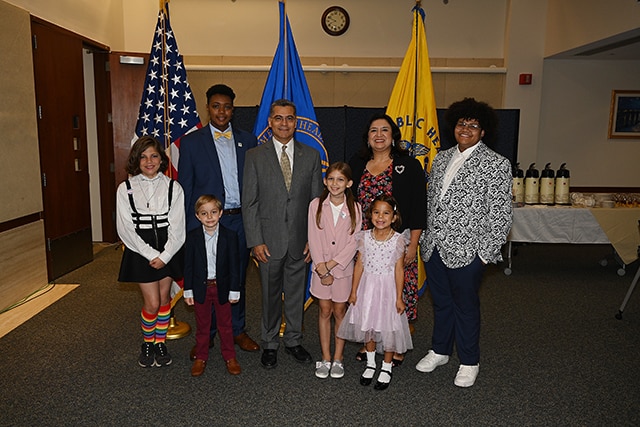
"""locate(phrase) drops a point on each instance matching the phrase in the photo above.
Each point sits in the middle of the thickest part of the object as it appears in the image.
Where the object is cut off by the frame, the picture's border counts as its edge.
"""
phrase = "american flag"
(167, 109)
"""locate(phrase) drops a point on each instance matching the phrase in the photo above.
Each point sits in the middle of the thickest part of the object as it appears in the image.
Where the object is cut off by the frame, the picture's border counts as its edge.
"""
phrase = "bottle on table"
(531, 190)
(562, 186)
(547, 184)
(518, 186)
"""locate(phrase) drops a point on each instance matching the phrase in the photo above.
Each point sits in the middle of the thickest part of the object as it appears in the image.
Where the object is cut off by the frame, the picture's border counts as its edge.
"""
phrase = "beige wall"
(574, 23)
(20, 173)
(98, 20)
(22, 256)
(379, 28)
(574, 122)
(360, 89)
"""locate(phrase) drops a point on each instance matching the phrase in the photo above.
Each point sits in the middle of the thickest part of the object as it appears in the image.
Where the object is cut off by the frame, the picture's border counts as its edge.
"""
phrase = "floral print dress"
(371, 186)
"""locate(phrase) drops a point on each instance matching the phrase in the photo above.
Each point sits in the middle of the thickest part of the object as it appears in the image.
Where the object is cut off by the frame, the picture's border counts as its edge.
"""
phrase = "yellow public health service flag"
(413, 106)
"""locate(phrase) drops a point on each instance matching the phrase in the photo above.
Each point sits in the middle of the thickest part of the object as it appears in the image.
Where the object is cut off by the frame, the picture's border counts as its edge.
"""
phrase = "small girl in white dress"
(376, 313)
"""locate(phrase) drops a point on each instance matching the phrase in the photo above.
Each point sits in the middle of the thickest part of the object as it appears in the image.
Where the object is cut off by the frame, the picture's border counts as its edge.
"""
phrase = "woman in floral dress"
(382, 166)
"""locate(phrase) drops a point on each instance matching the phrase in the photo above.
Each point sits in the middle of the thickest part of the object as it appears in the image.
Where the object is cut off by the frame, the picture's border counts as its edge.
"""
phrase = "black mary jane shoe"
(396, 362)
(364, 380)
(380, 385)
(361, 356)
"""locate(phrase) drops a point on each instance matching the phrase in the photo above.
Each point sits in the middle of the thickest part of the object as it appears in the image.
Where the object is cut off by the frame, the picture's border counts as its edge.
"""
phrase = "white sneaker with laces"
(467, 375)
(431, 361)
(323, 368)
(337, 369)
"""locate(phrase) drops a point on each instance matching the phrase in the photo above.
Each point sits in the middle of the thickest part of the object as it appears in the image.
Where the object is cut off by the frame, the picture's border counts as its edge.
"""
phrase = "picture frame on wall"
(624, 115)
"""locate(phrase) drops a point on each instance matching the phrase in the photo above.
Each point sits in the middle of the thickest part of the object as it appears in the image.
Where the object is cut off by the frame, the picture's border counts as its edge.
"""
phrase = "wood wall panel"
(23, 267)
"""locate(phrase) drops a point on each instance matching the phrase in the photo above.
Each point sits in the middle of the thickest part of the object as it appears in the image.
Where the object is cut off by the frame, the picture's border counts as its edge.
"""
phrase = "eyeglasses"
(470, 126)
(279, 119)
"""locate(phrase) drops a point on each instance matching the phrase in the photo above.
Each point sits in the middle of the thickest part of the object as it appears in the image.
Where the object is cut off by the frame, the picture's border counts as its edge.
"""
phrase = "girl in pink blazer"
(334, 218)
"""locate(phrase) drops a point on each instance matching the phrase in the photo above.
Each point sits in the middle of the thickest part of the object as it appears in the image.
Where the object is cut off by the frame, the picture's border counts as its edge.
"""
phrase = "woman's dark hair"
(468, 109)
(345, 170)
(391, 201)
(133, 162)
(366, 152)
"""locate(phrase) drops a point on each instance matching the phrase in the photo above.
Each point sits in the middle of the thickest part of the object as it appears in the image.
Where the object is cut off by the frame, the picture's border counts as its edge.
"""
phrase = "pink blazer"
(333, 241)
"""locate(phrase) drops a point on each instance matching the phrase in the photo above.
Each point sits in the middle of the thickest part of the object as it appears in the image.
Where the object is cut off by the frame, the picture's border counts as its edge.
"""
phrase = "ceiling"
(624, 46)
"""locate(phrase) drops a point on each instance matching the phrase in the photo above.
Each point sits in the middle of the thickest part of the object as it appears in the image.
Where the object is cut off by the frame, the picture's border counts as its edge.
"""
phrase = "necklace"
(380, 242)
(155, 187)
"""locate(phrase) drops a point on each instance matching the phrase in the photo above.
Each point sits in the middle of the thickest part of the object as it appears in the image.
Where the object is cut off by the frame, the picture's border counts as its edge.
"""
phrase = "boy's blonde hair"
(207, 198)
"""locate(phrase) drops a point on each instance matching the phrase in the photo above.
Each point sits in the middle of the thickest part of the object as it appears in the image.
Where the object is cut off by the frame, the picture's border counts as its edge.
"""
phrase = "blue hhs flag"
(286, 81)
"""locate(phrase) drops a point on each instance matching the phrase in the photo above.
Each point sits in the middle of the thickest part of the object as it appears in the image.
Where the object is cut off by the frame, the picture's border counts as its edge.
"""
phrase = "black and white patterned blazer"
(475, 214)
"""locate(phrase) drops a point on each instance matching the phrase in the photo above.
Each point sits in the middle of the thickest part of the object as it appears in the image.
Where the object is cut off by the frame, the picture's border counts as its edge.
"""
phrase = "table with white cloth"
(566, 224)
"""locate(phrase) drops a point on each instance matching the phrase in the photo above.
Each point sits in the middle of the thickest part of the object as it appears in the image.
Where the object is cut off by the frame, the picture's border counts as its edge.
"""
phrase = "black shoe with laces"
(163, 358)
(147, 358)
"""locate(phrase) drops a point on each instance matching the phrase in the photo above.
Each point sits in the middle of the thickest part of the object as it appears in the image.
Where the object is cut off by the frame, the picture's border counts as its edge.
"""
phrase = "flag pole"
(176, 329)
(416, 71)
(285, 57)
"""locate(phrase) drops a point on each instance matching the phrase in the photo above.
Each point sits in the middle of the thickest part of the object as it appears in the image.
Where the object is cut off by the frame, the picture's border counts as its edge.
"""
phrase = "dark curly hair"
(365, 150)
(133, 162)
(469, 109)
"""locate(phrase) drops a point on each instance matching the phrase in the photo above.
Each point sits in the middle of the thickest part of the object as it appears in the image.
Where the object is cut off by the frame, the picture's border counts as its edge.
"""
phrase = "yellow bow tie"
(226, 134)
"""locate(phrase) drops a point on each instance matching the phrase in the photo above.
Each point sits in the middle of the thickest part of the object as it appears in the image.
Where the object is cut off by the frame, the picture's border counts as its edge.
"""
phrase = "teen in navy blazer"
(206, 167)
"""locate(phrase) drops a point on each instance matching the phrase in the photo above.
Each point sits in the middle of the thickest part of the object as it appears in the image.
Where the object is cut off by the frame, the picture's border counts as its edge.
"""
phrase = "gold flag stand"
(177, 329)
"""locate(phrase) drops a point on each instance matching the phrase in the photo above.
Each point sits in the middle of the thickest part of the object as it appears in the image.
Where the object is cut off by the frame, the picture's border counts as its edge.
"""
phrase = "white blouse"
(150, 197)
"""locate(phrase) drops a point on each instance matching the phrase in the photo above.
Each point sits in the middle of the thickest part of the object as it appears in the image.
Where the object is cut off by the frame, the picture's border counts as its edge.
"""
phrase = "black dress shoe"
(269, 359)
(380, 385)
(299, 353)
(364, 380)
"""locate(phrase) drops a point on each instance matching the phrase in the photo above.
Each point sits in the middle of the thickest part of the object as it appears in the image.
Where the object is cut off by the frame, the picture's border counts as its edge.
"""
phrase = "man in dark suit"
(211, 162)
(281, 177)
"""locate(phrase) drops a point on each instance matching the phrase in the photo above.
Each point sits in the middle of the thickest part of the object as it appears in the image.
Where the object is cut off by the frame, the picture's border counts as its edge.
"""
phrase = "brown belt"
(234, 211)
(212, 282)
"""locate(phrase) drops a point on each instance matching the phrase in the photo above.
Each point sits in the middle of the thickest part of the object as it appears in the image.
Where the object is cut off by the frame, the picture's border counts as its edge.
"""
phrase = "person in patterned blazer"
(469, 215)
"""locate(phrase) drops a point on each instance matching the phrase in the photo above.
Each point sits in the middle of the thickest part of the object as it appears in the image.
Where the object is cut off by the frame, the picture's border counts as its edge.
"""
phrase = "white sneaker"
(431, 361)
(466, 375)
(337, 369)
(322, 369)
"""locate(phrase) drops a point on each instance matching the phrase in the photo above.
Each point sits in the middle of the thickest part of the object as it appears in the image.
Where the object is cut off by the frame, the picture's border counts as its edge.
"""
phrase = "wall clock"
(335, 21)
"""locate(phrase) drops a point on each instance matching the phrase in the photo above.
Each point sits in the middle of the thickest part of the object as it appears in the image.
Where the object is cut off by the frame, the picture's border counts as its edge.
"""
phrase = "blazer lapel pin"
(399, 169)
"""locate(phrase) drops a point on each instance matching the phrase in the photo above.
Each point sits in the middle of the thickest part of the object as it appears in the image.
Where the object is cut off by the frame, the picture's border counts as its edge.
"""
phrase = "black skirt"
(135, 268)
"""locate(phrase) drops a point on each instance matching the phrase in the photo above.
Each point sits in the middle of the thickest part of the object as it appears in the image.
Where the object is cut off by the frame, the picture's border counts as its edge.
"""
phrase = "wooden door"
(60, 105)
(121, 84)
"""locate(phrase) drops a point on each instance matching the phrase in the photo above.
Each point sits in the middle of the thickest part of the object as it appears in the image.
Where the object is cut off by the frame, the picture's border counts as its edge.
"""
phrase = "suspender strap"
(148, 220)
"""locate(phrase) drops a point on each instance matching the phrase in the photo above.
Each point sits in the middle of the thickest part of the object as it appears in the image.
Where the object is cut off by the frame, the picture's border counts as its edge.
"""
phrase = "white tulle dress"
(374, 315)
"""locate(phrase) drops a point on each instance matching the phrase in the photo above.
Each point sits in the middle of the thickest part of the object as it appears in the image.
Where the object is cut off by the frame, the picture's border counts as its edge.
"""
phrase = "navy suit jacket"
(227, 264)
(199, 167)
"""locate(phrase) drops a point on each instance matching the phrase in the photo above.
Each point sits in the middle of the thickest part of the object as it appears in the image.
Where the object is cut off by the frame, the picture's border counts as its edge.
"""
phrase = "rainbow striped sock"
(162, 325)
(148, 323)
